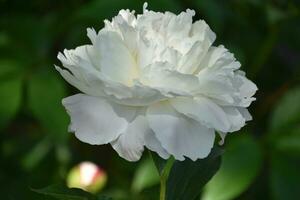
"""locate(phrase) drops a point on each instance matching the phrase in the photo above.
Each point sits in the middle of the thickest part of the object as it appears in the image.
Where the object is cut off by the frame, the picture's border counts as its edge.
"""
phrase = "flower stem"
(163, 182)
(164, 177)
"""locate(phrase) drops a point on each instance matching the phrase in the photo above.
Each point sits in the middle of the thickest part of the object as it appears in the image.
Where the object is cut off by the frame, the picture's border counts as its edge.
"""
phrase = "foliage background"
(261, 162)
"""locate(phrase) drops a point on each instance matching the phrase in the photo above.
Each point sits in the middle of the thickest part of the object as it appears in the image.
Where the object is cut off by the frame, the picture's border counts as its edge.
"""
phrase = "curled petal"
(203, 110)
(179, 135)
(89, 122)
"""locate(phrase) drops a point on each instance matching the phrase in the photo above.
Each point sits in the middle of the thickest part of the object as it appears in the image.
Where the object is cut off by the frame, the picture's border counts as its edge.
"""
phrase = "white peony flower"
(154, 80)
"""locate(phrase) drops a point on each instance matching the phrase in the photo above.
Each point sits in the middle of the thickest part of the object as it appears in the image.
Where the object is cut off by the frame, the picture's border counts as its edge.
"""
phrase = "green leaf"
(288, 142)
(187, 178)
(145, 176)
(240, 165)
(45, 93)
(287, 112)
(60, 191)
(285, 177)
(36, 154)
(274, 14)
(10, 91)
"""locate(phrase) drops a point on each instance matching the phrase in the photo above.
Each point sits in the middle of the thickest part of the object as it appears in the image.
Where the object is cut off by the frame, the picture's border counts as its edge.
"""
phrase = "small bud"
(87, 176)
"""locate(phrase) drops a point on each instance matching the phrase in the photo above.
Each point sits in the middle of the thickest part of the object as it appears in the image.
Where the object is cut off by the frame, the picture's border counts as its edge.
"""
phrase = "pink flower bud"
(87, 176)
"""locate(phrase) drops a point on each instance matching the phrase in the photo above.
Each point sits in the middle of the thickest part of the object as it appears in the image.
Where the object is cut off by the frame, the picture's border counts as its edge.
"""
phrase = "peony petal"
(152, 143)
(95, 120)
(159, 76)
(245, 113)
(130, 144)
(203, 110)
(137, 95)
(202, 37)
(114, 58)
(236, 119)
(179, 135)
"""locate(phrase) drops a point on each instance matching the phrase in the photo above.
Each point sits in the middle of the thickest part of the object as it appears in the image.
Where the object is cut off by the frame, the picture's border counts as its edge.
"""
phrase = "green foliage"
(62, 192)
(285, 177)
(241, 163)
(285, 137)
(145, 176)
(187, 178)
(45, 93)
(10, 91)
(287, 112)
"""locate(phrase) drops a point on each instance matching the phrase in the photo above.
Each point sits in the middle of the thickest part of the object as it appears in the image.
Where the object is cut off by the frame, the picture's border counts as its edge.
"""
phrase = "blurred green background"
(261, 162)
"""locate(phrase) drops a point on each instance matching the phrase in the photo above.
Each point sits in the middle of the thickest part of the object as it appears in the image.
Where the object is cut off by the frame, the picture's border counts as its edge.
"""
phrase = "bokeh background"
(262, 161)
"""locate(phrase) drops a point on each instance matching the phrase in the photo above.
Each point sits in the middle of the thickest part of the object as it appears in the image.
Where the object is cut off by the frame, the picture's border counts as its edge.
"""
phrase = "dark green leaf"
(287, 112)
(240, 165)
(60, 191)
(285, 177)
(10, 91)
(289, 142)
(187, 178)
(36, 154)
(46, 92)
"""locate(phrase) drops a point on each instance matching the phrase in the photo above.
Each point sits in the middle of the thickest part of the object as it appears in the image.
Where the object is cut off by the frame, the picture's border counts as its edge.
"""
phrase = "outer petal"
(79, 71)
(204, 111)
(179, 135)
(236, 119)
(152, 143)
(245, 113)
(95, 120)
(130, 144)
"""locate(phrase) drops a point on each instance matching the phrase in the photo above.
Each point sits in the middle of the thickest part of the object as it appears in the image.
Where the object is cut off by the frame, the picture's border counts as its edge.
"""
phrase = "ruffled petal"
(203, 110)
(158, 75)
(236, 119)
(179, 135)
(96, 120)
(152, 143)
(130, 144)
(113, 58)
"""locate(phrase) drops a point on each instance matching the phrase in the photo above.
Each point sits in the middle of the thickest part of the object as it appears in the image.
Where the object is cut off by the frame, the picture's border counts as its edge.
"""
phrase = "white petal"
(130, 144)
(124, 23)
(202, 38)
(80, 72)
(114, 58)
(218, 58)
(159, 76)
(137, 95)
(95, 120)
(247, 87)
(204, 111)
(245, 113)
(179, 135)
(152, 143)
(236, 119)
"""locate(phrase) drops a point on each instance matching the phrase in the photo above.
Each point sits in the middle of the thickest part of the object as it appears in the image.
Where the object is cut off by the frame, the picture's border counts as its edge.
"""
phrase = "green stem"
(164, 177)
(162, 194)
